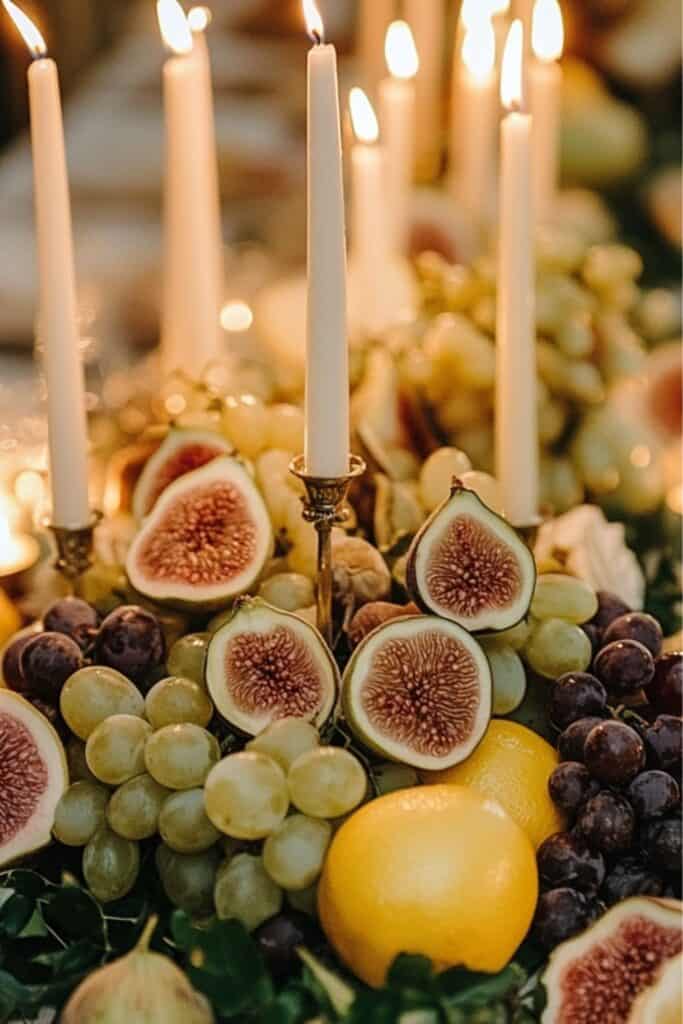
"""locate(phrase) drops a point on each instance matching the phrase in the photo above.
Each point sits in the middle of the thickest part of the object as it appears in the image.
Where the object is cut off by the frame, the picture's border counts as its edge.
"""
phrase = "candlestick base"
(323, 506)
(75, 548)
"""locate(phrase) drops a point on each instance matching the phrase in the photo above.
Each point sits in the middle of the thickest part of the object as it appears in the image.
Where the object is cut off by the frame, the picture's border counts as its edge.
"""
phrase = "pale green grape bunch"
(134, 808)
(110, 865)
(246, 795)
(187, 657)
(285, 739)
(555, 643)
(294, 853)
(327, 782)
(188, 878)
(115, 750)
(244, 890)
(80, 813)
(181, 756)
(177, 700)
(184, 825)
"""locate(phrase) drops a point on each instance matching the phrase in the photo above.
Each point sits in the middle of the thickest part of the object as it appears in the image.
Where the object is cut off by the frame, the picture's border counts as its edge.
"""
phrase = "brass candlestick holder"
(324, 507)
(75, 548)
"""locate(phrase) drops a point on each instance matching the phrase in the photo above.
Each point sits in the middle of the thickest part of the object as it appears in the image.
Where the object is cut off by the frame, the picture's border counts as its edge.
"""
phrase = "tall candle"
(374, 18)
(474, 121)
(427, 20)
(58, 319)
(545, 103)
(190, 327)
(397, 115)
(327, 368)
(516, 416)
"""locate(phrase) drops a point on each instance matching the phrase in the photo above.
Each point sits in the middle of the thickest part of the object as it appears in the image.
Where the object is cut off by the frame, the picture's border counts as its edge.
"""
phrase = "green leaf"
(74, 958)
(340, 994)
(28, 883)
(183, 933)
(472, 991)
(73, 913)
(15, 914)
(380, 1007)
(290, 1007)
(12, 993)
(409, 971)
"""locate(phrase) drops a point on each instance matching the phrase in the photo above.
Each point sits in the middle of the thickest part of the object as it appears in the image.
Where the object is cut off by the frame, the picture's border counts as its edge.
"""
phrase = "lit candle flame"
(314, 22)
(199, 18)
(547, 30)
(479, 49)
(511, 71)
(31, 36)
(474, 11)
(499, 7)
(400, 51)
(175, 30)
(363, 117)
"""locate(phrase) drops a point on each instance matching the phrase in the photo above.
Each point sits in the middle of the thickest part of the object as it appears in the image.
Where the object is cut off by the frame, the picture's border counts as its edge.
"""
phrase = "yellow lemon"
(512, 764)
(10, 619)
(435, 870)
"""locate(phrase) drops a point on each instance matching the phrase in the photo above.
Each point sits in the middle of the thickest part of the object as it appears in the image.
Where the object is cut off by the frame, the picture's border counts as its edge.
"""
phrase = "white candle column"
(397, 116)
(374, 18)
(545, 104)
(58, 313)
(427, 19)
(327, 368)
(516, 415)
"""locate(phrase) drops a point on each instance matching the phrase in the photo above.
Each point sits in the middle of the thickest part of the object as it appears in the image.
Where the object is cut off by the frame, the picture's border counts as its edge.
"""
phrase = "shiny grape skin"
(11, 663)
(576, 695)
(607, 823)
(570, 785)
(624, 666)
(74, 618)
(666, 689)
(560, 914)
(46, 662)
(636, 626)
(614, 753)
(630, 877)
(610, 608)
(664, 743)
(566, 860)
(654, 793)
(571, 743)
(131, 640)
(279, 938)
(664, 844)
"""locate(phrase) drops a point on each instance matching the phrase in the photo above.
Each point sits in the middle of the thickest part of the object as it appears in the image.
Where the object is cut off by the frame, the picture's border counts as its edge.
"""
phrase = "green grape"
(115, 751)
(245, 421)
(244, 890)
(389, 777)
(305, 900)
(188, 878)
(110, 865)
(563, 597)
(326, 783)
(289, 591)
(293, 855)
(176, 700)
(285, 740)
(509, 678)
(80, 813)
(515, 637)
(286, 428)
(557, 646)
(246, 795)
(133, 811)
(187, 657)
(181, 756)
(436, 475)
(183, 823)
(78, 766)
(95, 693)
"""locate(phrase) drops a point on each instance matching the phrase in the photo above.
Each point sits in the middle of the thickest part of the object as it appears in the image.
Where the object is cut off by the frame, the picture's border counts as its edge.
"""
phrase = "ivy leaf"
(15, 914)
(72, 913)
(12, 994)
(28, 883)
(464, 989)
(340, 995)
(409, 971)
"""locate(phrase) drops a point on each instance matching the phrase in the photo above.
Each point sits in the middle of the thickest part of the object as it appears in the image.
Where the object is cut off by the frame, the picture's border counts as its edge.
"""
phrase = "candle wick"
(317, 37)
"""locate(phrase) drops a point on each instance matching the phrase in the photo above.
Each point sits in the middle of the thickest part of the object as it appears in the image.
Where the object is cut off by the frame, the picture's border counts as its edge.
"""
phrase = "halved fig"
(182, 451)
(467, 564)
(418, 690)
(33, 777)
(264, 664)
(205, 541)
(598, 975)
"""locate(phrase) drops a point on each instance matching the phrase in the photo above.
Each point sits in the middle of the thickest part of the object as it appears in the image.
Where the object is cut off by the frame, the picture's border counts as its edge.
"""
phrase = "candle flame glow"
(400, 51)
(199, 18)
(474, 11)
(314, 22)
(547, 30)
(499, 7)
(175, 30)
(479, 49)
(511, 71)
(30, 34)
(363, 117)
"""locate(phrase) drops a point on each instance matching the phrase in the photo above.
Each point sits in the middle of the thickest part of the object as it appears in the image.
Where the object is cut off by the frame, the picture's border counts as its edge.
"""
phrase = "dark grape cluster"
(619, 778)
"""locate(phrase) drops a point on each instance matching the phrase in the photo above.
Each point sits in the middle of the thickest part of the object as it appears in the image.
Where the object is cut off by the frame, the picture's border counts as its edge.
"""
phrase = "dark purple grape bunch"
(131, 641)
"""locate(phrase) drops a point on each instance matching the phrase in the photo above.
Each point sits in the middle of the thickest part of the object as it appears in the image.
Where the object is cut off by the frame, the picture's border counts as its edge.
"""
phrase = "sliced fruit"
(661, 1004)
(599, 974)
(206, 540)
(181, 452)
(372, 615)
(33, 777)
(468, 565)
(265, 664)
(418, 690)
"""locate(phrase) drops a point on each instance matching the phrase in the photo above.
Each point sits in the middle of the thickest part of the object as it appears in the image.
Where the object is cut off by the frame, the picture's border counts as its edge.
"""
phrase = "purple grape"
(636, 626)
(653, 794)
(664, 742)
(571, 743)
(594, 634)
(46, 662)
(607, 823)
(666, 689)
(624, 666)
(279, 938)
(664, 844)
(131, 640)
(614, 753)
(566, 860)
(570, 785)
(73, 617)
(610, 608)
(11, 663)
(576, 695)
(630, 877)
(560, 914)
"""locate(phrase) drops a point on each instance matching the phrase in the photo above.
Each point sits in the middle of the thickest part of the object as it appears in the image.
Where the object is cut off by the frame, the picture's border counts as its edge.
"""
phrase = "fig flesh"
(418, 690)
(181, 452)
(33, 777)
(206, 540)
(598, 975)
(467, 564)
(264, 664)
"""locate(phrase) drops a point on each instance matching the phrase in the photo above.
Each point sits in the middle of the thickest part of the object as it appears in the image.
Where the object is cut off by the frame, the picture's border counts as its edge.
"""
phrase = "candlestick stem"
(323, 506)
(75, 548)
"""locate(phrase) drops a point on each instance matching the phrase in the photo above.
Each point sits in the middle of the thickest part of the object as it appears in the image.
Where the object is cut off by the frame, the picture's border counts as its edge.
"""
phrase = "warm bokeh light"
(479, 49)
(499, 7)
(199, 18)
(29, 488)
(175, 404)
(236, 316)
(511, 71)
(32, 37)
(400, 51)
(641, 456)
(363, 117)
(314, 22)
(674, 499)
(175, 30)
(473, 11)
(547, 30)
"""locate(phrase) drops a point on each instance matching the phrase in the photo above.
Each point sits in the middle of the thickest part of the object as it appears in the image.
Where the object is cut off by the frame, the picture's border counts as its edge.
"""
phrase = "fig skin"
(372, 615)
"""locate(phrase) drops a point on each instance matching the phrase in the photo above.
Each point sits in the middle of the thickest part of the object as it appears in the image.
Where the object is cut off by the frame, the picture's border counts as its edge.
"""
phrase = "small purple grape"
(630, 877)
(576, 695)
(279, 938)
(567, 860)
(636, 626)
(624, 666)
(594, 634)
(560, 914)
(614, 753)
(666, 689)
(653, 794)
(74, 618)
(46, 662)
(664, 742)
(571, 742)
(607, 823)
(610, 607)
(11, 663)
(664, 844)
(131, 640)
(570, 785)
